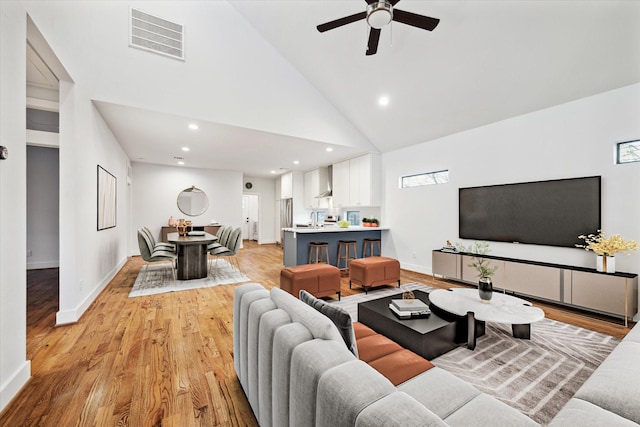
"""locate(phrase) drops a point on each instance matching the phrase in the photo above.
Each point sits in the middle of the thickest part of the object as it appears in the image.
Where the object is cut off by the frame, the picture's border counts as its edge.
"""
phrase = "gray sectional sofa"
(296, 370)
(611, 395)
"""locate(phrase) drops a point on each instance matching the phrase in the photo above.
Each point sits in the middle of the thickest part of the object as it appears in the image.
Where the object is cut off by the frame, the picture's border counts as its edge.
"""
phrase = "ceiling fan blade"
(415, 20)
(340, 22)
(374, 37)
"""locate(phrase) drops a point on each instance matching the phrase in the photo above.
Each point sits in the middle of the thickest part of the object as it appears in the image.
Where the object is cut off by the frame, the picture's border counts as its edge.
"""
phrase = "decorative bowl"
(343, 224)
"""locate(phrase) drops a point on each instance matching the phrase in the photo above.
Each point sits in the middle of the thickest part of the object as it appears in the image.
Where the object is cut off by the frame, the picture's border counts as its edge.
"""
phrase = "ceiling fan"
(379, 14)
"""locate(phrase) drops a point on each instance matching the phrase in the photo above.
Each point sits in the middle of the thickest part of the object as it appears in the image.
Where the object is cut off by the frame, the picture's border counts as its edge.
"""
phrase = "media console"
(611, 294)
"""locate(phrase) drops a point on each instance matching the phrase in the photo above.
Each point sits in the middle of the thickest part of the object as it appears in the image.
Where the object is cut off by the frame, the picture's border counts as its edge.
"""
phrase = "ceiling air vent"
(155, 34)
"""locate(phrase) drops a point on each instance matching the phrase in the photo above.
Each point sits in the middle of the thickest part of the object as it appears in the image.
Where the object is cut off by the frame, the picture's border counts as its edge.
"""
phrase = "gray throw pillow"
(338, 316)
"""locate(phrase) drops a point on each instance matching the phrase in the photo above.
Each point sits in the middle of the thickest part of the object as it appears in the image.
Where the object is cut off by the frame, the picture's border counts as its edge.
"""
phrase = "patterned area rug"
(159, 279)
(536, 376)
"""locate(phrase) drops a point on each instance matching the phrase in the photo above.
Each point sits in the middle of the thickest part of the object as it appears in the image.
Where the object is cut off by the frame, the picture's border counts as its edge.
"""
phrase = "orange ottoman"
(374, 271)
(318, 279)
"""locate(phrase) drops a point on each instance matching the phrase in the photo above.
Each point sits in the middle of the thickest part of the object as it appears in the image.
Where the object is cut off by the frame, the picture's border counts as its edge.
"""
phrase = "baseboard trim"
(14, 384)
(415, 267)
(72, 316)
(42, 264)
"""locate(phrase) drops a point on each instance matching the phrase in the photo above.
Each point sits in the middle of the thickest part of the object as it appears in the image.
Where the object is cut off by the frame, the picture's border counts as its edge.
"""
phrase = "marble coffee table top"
(501, 309)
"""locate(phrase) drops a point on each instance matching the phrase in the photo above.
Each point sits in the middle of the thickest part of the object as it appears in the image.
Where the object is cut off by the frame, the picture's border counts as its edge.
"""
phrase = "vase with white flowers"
(606, 248)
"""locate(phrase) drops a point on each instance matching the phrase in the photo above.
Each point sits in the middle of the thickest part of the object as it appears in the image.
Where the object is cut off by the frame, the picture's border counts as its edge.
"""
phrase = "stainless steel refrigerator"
(286, 216)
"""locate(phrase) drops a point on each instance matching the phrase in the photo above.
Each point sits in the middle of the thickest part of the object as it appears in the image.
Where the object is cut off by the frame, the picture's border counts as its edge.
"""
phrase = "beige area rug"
(159, 280)
(536, 377)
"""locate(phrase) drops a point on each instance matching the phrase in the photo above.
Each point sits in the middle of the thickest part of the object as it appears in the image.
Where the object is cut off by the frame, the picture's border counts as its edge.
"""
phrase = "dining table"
(192, 254)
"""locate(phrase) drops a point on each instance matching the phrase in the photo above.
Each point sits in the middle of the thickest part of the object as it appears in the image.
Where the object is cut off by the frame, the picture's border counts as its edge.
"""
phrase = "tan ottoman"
(374, 271)
(320, 280)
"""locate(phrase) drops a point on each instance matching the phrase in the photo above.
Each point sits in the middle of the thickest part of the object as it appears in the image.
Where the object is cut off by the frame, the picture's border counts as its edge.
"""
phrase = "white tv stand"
(611, 294)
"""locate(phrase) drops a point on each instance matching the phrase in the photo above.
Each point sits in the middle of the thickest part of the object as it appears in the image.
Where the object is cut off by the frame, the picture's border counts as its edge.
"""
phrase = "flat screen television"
(552, 213)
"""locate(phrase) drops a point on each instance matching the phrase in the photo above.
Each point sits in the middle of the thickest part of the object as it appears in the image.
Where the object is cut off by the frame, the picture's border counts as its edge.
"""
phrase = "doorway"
(251, 217)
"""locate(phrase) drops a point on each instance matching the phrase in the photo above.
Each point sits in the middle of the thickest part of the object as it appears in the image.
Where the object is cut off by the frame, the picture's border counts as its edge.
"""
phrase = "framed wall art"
(107, 192)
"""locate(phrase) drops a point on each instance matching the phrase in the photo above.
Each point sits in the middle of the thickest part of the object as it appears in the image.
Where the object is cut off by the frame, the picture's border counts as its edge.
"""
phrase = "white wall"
(265, 189)
(155, 192)
(14, 368)
(88, 258)
(571, 140)
(43, 239)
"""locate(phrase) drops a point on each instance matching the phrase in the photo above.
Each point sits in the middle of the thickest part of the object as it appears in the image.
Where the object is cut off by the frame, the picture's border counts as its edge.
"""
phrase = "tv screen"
(552, 213)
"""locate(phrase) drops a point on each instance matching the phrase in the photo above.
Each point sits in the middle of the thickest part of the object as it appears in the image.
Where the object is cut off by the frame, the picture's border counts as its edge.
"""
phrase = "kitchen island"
(296, 241)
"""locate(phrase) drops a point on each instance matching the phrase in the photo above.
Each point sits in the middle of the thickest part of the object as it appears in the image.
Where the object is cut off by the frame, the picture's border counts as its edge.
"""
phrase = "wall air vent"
(155, 34)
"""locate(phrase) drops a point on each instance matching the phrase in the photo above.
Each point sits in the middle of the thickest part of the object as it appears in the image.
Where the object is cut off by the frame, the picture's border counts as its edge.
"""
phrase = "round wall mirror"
(193, 201)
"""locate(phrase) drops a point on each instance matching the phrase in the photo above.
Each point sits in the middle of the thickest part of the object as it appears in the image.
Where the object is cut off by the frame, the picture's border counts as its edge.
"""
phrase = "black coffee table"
(429, 337)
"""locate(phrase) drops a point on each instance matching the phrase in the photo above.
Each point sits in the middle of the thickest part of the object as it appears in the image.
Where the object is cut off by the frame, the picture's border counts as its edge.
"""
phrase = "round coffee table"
(501, 309)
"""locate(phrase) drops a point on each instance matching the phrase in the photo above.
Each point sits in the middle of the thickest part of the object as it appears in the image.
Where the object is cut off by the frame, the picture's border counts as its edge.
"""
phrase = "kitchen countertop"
(333, 229)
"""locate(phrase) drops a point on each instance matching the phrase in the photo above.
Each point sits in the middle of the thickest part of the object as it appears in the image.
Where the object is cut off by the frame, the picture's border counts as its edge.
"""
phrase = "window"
(428, 178)
(353, 217)
(627, 152)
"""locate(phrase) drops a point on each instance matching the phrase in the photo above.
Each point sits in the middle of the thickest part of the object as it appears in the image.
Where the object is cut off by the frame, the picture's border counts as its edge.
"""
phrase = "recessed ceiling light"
(273, 171)
(181, 163)
(296, 162)
(185, 148)
(193, 126)
(329, 149)
(383, 101)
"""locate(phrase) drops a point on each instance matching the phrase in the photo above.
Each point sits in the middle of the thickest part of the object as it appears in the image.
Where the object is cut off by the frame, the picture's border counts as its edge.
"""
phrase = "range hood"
(328, 184)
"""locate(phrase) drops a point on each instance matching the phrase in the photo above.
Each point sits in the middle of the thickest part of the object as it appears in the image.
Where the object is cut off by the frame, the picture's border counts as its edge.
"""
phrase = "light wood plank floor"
(162, 360)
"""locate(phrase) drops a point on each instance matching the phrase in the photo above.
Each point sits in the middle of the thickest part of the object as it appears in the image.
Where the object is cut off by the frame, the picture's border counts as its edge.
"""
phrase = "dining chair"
(230, 251)
(158, 245)
(150, 256)
(223, 235)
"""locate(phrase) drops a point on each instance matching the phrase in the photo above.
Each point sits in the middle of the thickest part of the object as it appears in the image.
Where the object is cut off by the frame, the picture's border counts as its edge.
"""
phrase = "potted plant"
(483, 266)
(365, 222)
(373, 222)
(606, 248)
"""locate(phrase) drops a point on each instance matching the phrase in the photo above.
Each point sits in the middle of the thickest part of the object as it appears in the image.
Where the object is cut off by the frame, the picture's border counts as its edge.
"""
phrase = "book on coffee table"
(406, 314)
(410, 305)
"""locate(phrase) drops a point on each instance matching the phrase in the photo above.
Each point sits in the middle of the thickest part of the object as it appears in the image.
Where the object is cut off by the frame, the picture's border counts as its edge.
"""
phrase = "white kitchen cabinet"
(356, 182)
(286, 185)
(340, 188)
(316, 182)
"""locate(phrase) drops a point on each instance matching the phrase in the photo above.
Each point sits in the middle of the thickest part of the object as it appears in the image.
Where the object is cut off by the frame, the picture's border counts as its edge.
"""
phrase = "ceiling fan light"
(379, 14)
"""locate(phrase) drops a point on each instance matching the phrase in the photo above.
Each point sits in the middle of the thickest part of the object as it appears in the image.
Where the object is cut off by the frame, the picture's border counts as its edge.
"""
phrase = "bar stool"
(369, 245)
(345, 248)
(316, 252)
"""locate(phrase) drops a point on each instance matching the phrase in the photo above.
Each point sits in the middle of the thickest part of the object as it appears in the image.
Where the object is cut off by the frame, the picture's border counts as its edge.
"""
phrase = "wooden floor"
(161, 360)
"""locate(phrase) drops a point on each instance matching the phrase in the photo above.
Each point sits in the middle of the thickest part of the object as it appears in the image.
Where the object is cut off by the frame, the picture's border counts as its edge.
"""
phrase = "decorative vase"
(172, 222)
(485, 289)
(606, 264)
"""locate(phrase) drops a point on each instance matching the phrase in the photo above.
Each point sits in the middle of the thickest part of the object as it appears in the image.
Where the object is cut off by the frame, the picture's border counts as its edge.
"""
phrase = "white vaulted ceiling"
(486, 61)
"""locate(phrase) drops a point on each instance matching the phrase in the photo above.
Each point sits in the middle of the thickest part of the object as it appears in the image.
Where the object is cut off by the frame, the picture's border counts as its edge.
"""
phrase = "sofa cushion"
(256, 312)
(398, 410)
(578, 412)
(237, 298)
(360, 330)
(485, 410)
(345, 390)
(269, 324)
(245, 304)
(441, 392)
(285, 340)
(614, 385)
(374, 347)
(309, 361)
(337, 315)
(318, 324)
(401, 366)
